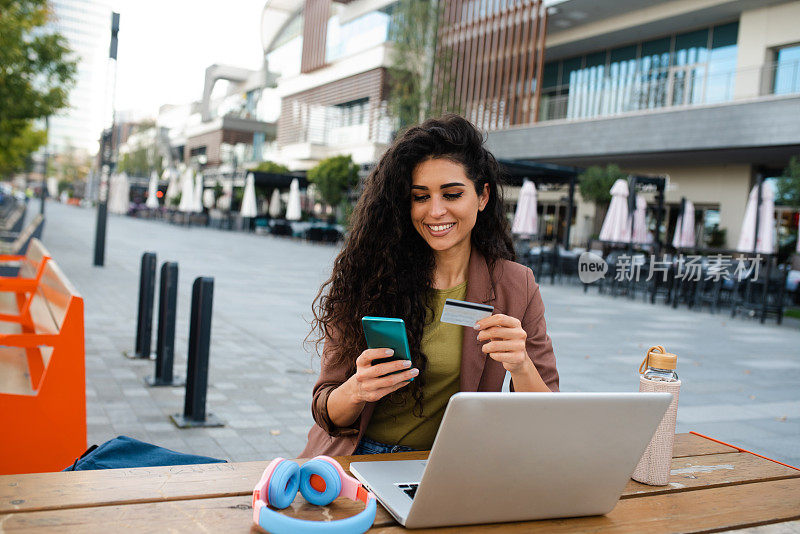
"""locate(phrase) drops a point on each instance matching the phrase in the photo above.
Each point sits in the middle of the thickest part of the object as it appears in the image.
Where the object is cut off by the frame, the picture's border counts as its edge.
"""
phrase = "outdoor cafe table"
(713, 487)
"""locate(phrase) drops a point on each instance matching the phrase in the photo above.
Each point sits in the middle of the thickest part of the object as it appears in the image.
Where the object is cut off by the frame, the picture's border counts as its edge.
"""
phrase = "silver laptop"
(520, 456)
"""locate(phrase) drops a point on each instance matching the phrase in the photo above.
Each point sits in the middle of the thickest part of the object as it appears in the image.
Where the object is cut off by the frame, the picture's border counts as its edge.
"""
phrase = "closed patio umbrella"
(152, 191)
(765, 243)
(52, 186)
(224, 202)
(275, 204)
(120, 195)
(526, 219)
(640, 234)
(187, 192)
(293, 206)
(173, 186)
(249, 199)
(684, 228)
(208, 198)
(616, 226)
(113, 192)
(197, 198)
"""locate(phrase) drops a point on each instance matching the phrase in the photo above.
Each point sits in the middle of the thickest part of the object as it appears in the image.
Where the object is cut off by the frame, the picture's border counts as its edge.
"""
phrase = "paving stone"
(258, 370)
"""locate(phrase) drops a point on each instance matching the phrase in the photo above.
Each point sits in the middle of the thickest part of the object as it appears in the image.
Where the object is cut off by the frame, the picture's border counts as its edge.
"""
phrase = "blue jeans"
(368, 446)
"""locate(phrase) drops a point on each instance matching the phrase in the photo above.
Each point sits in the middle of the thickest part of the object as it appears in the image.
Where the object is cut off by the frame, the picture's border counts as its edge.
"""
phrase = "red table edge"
(743, 450)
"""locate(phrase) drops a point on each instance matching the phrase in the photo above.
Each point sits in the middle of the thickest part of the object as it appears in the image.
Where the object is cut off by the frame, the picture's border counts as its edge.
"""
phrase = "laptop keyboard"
(409, 489)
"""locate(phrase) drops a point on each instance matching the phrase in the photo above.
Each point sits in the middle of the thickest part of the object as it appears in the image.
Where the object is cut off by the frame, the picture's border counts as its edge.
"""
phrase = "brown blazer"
(512, 290)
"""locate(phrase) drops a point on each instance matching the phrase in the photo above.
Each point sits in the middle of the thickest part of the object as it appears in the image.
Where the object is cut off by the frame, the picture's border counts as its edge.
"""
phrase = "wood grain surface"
(712, 487)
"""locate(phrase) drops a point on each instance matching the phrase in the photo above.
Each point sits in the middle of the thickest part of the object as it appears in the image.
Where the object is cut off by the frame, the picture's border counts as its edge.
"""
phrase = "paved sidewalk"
(741, 379)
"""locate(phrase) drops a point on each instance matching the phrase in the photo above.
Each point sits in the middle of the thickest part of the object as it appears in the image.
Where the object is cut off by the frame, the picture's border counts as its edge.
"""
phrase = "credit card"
(464, 313)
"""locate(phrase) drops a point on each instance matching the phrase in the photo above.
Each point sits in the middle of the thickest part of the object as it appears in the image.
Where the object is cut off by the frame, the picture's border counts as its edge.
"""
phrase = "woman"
(428, 226)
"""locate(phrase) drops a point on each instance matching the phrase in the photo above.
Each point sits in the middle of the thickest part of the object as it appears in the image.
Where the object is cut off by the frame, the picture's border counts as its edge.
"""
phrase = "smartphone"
(387, 332)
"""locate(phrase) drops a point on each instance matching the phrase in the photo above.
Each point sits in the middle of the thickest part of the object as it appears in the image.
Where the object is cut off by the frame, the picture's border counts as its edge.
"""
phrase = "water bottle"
(659, 365)
(657, 373)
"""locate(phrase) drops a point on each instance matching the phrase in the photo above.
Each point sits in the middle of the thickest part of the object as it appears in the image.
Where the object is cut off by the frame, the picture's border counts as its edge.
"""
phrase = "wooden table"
(713, 487)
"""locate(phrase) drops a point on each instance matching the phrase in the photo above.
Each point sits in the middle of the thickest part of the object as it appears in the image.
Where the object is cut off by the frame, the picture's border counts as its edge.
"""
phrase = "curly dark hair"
(386, 268)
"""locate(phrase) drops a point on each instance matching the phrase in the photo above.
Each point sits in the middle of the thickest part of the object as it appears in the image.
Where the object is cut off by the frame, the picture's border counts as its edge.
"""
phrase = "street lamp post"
(43, 194)
(107, 160)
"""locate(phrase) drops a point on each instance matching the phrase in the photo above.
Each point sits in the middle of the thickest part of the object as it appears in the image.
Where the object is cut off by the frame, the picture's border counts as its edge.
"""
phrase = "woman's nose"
(437, 208)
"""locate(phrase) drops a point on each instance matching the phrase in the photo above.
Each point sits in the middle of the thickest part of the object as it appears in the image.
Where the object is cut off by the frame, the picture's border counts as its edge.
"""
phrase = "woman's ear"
(483, 199)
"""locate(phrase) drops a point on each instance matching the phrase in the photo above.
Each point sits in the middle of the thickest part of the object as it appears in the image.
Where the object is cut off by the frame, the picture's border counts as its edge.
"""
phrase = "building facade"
(704, 92)
(329, 60)
(86, 26)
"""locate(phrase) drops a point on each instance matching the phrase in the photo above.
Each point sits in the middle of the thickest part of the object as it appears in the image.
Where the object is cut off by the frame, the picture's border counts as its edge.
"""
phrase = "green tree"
(334, 177)
(595, 186)
(595, 182)
(788, 185)
(36, 75)
(272, 167)
(415, 51)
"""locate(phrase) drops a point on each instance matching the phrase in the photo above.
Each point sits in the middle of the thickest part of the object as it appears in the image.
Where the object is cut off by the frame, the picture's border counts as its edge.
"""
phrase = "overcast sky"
(166, 45)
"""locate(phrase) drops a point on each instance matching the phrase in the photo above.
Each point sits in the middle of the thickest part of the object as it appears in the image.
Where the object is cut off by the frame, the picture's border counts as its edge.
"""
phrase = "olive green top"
(393, 422)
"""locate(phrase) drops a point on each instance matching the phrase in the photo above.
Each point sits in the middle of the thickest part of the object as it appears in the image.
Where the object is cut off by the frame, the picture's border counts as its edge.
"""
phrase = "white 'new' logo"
(591, 268)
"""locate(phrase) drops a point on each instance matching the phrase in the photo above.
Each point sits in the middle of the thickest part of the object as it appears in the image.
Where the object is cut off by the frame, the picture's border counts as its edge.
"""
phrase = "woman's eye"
(452, 196)
(420, 198)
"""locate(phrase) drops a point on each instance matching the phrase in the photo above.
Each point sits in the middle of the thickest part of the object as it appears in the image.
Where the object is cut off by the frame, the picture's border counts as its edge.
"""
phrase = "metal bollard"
(194, 408)
(144, 320)
(165, 334)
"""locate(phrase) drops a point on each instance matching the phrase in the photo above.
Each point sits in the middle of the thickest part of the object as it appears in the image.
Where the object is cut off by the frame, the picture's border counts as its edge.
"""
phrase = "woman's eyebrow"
(443, 186)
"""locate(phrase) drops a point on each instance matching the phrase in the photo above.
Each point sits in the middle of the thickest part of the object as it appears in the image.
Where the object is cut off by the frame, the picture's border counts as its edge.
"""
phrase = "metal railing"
(337, 126)
(685, 85)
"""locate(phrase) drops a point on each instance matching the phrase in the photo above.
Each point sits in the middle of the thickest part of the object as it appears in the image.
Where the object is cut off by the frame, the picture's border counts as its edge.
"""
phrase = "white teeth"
(440, 227)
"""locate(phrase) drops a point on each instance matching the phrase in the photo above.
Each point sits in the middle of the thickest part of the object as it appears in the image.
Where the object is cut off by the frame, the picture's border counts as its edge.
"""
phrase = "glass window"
(285, 59)
(595, 75)
(654, 73)
(356, 35)
(571, 81)
(683, 69)
(550, 106)
(722, 63)
(787, 70)
(687, 75)
(622, 73)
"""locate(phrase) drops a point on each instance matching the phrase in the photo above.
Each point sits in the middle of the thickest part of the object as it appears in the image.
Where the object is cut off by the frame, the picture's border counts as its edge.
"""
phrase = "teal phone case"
(387, 332)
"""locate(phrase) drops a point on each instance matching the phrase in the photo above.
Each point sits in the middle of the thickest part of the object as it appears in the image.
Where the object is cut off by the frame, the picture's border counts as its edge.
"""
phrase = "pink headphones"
(320, 481)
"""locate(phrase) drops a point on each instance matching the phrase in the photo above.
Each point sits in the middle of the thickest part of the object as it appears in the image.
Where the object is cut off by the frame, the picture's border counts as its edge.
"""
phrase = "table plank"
(728, 507)
(49, 491)
(45, 491)
(693, 445)
(709, 510)
(36, 491)
(713, 470)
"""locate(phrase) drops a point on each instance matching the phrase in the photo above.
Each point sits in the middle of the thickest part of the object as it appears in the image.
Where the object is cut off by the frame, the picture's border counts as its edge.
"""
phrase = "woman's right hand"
(371, 382)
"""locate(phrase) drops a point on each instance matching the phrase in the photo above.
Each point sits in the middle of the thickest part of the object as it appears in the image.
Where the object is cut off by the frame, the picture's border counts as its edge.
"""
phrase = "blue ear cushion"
(333, 484)
(283, 484)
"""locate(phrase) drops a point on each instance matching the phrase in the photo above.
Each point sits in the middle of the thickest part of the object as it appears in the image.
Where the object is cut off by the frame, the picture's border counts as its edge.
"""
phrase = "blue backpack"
(123, 451)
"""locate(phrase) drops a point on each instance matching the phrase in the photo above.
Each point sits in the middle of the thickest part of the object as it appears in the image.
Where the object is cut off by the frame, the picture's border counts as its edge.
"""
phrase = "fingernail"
(477, 326)
(414, 372)
(389, 352)
(406, 363)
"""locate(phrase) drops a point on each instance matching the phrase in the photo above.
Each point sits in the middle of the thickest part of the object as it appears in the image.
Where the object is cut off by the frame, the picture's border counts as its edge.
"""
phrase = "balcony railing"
(336, 126)
(686, 85)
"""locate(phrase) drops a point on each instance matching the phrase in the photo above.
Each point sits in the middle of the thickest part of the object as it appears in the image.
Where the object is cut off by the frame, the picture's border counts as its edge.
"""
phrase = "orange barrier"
(42, 369)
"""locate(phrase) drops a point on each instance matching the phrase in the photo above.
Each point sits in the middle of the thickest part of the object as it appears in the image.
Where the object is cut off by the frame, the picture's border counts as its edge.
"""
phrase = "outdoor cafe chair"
(709, 289)
(640, 271)
(762, 295)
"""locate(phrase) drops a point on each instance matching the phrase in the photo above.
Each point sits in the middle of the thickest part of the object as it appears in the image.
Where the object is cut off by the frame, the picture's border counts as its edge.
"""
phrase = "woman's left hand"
(506, 341)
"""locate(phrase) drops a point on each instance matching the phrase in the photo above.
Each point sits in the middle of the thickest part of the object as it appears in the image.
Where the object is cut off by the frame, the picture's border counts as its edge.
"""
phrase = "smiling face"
(444, 204)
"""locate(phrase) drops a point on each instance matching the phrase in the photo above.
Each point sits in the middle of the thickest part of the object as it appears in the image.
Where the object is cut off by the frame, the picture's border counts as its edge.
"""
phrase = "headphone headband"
(280, 482)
